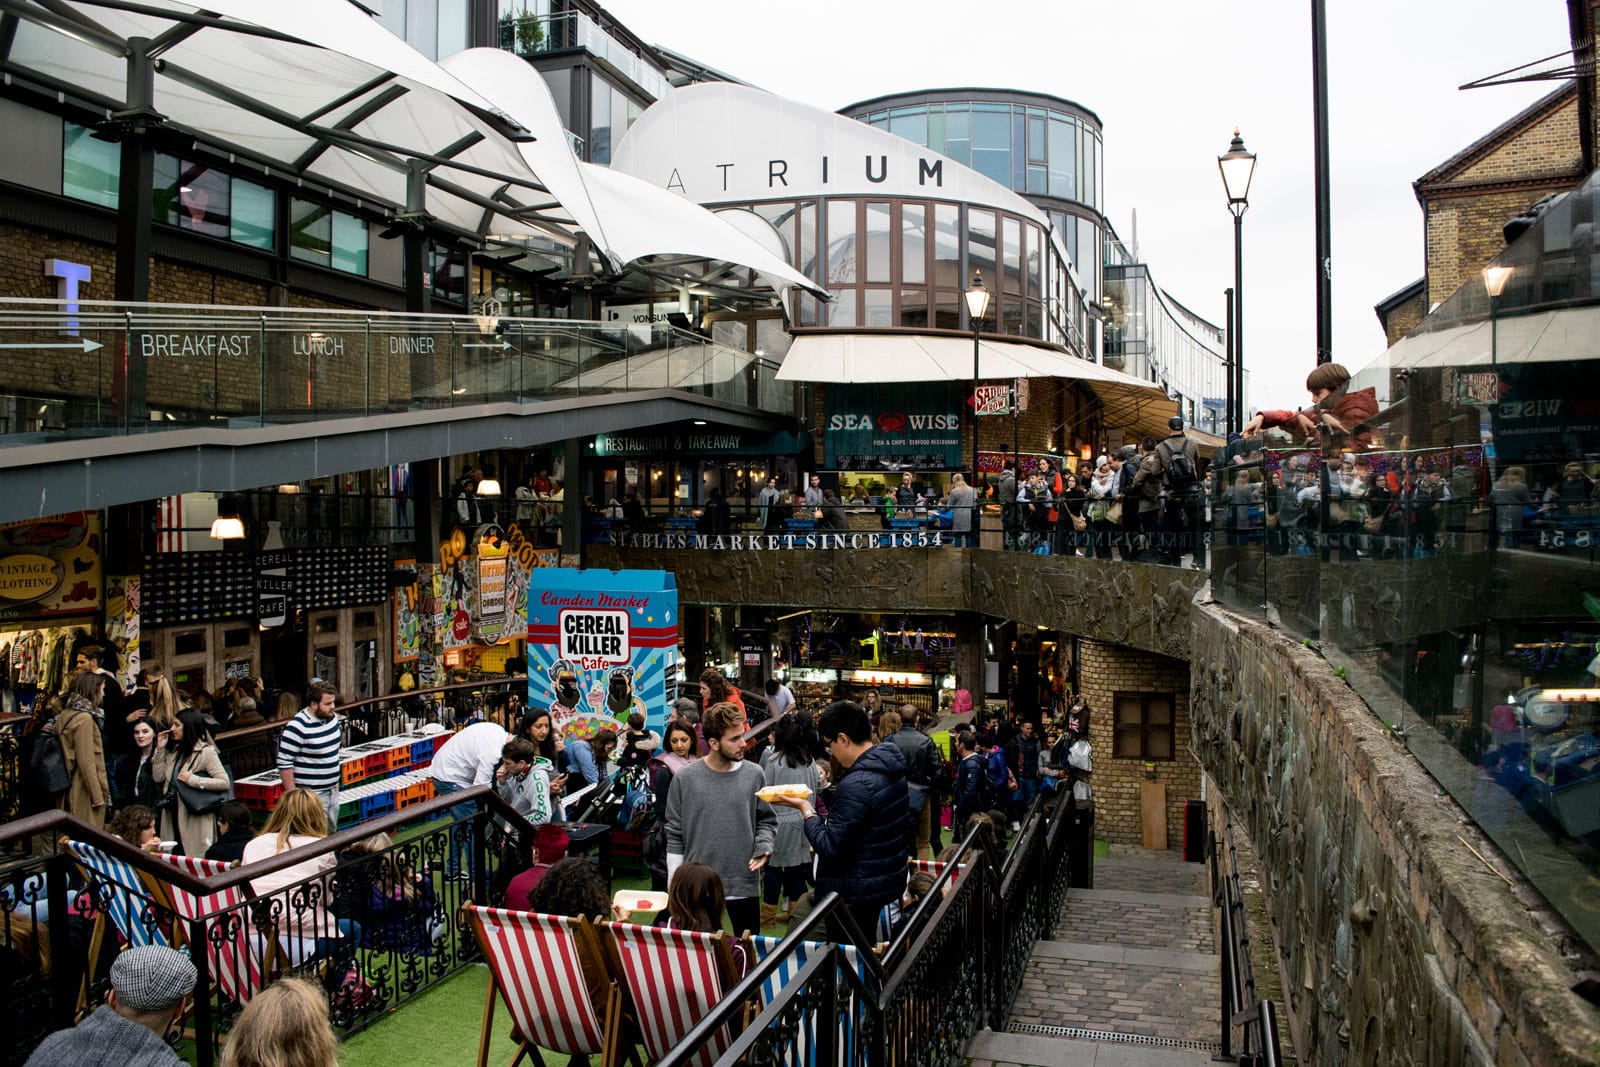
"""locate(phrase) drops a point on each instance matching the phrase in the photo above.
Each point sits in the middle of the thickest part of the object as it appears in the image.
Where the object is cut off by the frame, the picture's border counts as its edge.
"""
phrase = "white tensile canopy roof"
(319, 89)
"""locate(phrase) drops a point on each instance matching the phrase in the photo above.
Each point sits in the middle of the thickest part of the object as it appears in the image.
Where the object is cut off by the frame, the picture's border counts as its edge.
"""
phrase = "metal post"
(64, 993)
(205, 1045)
(1230, 413)
(1238, 307)
(1319, 96)
(977, 347)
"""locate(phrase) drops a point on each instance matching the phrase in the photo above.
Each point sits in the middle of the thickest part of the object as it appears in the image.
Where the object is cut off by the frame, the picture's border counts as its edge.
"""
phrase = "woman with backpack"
(185, 754)
(77, 726)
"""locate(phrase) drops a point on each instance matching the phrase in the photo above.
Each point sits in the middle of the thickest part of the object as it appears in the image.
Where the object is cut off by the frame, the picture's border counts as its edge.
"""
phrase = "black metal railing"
(1242, 1009)
(952, 967)
(375, 926)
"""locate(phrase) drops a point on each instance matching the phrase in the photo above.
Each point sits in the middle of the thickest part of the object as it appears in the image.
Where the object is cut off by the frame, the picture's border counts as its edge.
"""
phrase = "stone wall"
(1397, 944)
(1103, 671)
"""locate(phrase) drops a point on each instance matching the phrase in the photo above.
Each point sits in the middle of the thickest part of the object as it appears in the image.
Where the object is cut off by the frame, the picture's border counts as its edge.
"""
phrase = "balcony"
(535, 35)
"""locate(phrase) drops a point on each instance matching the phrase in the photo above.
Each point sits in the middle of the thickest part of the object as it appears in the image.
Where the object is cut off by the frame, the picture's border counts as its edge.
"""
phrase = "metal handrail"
(1240, 1005)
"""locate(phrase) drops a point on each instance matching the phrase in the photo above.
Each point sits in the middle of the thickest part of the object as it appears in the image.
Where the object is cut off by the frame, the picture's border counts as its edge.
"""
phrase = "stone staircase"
(1132, 976)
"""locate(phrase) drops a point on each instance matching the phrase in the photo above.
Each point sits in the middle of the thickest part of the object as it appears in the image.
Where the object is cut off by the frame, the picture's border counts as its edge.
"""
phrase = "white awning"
(312, 88)
(1559, 336)
(894, 357)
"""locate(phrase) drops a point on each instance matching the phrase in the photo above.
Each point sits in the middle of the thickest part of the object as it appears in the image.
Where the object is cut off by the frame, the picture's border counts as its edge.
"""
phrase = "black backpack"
(1181, 477)
(47, 763)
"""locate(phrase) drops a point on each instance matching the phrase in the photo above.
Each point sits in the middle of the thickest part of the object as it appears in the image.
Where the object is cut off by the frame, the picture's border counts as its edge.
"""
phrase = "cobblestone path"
(1131, 976)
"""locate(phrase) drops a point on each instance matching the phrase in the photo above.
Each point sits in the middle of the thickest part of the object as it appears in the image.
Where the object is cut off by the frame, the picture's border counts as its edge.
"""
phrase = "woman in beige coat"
(78, 726)
(185, 753)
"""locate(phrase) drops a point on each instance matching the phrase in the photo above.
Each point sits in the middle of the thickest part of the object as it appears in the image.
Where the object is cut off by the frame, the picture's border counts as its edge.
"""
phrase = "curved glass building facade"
(1043, 147)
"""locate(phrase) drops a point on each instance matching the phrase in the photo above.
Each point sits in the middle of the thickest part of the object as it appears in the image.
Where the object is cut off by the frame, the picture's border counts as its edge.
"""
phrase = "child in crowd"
(695, 902)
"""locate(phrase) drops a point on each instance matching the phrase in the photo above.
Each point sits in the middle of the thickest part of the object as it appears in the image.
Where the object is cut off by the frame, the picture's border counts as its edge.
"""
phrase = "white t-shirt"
(781, 701)
(470, 757)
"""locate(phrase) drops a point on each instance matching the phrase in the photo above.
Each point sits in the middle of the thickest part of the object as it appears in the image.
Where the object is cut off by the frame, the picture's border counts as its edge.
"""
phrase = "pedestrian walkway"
(1130, 978)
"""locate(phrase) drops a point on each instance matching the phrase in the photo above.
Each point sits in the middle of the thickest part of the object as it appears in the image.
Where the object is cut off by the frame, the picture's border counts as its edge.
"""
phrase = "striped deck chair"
(675, 978)
(121, 894)
(235, 962)
(848, 1023)
(545, 967)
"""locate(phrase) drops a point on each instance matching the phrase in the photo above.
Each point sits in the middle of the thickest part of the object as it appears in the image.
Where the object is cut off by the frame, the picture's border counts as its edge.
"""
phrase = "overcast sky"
(1170, 79)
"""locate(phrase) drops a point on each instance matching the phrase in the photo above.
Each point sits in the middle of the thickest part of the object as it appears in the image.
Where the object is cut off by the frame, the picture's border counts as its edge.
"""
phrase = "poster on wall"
(122, 626)
(602, 645)
(50, 568)
(915, 426)
(407, 615)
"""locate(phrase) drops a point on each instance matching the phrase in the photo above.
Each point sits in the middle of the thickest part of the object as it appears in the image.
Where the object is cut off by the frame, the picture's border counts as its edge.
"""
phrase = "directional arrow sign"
(502, 345)
(84, 345)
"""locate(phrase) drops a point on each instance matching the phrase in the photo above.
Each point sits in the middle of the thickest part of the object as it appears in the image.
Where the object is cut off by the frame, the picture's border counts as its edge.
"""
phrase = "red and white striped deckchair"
(675, 978)
(544, 966)
(235, 963)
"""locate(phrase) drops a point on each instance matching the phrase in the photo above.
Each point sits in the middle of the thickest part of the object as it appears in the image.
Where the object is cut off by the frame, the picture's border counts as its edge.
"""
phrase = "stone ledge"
(1501, 975)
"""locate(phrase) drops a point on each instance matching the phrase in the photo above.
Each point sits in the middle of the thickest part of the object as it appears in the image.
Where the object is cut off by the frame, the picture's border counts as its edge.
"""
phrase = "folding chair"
(121, 894)
(547, 968)
(675, 977)
(236, 964)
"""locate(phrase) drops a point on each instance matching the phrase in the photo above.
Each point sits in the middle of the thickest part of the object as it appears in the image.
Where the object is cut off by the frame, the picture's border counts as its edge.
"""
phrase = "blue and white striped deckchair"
(785, 973)
(127, 899)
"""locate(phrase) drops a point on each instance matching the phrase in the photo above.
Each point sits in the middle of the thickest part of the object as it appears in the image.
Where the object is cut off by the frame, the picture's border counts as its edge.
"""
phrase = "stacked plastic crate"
(375, 778)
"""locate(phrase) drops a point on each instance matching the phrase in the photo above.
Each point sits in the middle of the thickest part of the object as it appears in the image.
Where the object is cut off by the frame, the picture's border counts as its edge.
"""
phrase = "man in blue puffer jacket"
(861, 842)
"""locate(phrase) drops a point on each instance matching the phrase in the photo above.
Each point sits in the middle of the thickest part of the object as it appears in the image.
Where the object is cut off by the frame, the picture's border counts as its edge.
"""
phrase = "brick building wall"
(1403, 317)
(1468, 200)
(1103, 671)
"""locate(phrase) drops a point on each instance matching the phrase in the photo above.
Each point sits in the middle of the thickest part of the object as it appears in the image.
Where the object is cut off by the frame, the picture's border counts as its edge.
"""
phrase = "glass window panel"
(1011, 230)
(310, 232)
(936, 127)
(1090, 171)
(1032, 263)
(805, 309)
(910, 123)
(1033, 324)
(1063, 153)
(1078, 170)
(913, 244)
(202, 202)
(808, 240)
(1037, 148)
(947, 308)
(879, 242)
(1019, 151)
(1158, 744)
(599, 119)
(877, 306)
(349, 244)
(1089, 258)
(89, 167)
(1158, 710)
(958, 133)
(842, 269)
(452, 27)
(1038, 181)
(164, 198)
(991, 144)
(782, 219)
(981, 247)
(841, 310)
(947, 247)
(914, 307)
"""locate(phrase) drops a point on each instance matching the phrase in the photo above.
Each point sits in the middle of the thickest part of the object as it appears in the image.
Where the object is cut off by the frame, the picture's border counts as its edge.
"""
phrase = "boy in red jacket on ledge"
(1334, 407)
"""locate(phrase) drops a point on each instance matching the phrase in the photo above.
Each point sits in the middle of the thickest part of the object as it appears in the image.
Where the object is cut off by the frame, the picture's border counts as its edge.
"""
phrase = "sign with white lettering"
(992, 400)
(831, 542)
(718, 443)
(153, 345)
(601, 646)
(916, 426)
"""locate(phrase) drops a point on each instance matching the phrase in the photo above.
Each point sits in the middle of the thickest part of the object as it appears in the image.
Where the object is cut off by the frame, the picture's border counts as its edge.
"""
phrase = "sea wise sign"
(594, 639)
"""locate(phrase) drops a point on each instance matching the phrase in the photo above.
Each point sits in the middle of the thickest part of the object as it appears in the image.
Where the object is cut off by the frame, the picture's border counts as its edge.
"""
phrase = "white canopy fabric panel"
(1558, 336)
(316, 88)
(643, 221)
(881, 358)
(628, 220)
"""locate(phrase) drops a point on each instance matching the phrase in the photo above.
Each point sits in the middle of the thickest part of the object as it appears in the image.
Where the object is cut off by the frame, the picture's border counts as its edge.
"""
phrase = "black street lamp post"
(1238, 165)
(977, 303)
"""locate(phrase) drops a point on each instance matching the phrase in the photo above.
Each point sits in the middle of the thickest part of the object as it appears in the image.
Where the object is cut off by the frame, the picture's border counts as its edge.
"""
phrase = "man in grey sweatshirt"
(715, 818)
(148, 985)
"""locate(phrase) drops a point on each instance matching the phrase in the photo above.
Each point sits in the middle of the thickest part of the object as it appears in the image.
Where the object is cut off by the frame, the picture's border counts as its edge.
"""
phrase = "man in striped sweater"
(308, 751)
